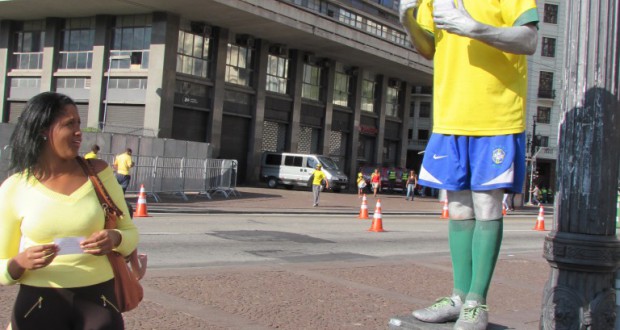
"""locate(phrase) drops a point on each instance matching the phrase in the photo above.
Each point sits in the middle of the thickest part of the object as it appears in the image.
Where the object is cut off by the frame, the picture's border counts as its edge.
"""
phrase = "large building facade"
(247, 76)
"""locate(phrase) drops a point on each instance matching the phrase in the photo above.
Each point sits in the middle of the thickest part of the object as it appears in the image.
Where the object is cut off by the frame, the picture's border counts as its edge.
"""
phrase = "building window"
(239, 65)
(277, 74)
(423, 134)
(193, 53)
(543, 141)
(131, 38)
(376, 29)
(425, 109)
(551, 14)
(350, 18)
(548, 47)
(368, 95)
(342, 89)
(127, 83)
(310, 4)
(26, 82)
(81, 83)
(311, 86)
(543, 115)
(78, 38)
(545, 85)
(410, 134)
(391, 104)
(29, 46)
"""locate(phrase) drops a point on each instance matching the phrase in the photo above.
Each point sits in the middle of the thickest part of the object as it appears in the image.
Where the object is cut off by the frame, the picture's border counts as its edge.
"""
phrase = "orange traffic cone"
(444, 212)
(503, 209)
(540, 222)
(364, 209)
(141, 206)
(377, 221)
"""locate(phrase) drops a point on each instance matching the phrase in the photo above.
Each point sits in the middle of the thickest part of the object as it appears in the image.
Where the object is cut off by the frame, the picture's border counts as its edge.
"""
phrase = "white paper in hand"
(69, 245)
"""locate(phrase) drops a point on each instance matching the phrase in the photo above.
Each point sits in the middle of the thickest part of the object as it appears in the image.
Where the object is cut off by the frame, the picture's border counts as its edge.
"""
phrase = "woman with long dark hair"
(52, 237)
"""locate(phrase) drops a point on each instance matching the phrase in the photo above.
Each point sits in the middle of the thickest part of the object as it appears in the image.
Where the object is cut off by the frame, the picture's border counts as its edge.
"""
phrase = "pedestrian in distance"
(52, 237)
(478, 132)
(411, 183)
(93, 152)
(375, 182)
(403, 179)
(317, 184)
(535, 195)
(392, 179)
(361, 184)
(123, 163)
(512, 201)
(505, 201)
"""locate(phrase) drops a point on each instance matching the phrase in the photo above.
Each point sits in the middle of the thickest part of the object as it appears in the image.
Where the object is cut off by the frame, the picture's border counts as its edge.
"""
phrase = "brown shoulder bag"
(129, 292)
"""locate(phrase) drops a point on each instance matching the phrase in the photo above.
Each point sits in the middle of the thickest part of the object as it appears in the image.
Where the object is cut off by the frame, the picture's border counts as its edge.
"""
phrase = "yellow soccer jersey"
(478, 89)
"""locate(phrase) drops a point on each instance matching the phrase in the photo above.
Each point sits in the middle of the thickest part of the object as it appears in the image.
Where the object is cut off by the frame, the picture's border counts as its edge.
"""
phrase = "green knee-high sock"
(487, 241)
(460, 234)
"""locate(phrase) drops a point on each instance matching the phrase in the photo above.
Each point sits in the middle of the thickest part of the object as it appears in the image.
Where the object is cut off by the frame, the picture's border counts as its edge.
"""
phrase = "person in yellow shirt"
(123, 163)
(47, 204)
(318, 178)
(361, 184)
(477, 149)
(93, 152)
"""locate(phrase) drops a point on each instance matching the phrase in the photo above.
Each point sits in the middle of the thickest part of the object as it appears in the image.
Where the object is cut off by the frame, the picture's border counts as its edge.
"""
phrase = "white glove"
(454, 20)
(407, 6)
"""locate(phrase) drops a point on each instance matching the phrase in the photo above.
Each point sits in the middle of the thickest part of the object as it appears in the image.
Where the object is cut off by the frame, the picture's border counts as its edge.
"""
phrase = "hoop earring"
(44, 138)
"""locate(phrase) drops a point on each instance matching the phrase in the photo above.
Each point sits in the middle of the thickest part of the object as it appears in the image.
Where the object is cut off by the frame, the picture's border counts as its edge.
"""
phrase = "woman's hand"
(34, 257)
(101, 242)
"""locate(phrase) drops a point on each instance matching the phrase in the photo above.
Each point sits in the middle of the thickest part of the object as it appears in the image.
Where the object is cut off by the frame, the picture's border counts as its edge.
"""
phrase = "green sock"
(460, 234)
(487, 241)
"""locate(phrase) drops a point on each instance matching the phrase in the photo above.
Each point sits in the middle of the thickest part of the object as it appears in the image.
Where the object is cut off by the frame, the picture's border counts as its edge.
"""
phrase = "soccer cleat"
(444, 309)
(474, 316)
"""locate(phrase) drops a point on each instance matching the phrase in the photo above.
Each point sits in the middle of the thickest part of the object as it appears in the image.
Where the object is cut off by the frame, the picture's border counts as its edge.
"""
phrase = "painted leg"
(486, 244)
(461, 230)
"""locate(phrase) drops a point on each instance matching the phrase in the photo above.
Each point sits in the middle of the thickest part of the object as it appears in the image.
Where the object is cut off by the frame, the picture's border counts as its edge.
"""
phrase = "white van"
(290, 170)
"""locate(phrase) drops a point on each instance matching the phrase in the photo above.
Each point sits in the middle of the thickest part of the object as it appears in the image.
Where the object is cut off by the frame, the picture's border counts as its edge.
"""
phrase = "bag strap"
(102, 194)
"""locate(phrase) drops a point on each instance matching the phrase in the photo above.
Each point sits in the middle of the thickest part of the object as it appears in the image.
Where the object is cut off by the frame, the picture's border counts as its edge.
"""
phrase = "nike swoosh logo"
(439, 157)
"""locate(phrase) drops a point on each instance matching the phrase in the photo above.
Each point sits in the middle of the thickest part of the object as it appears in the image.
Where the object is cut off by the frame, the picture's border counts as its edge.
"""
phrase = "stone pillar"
(98, 80)
(297, 66)
(256, 135)
(354, 137)
(380, 111)
(159, 103)
(330, 71)
(405, 105)
(582, 249)
(6, 29)
(219, 92)
(50, 53)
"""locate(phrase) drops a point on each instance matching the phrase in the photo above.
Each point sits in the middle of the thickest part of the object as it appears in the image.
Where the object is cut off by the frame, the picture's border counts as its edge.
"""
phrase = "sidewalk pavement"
(264, 200)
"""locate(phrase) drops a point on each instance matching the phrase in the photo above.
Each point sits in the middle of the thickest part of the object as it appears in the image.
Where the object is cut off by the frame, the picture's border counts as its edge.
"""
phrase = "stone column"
(582, 249)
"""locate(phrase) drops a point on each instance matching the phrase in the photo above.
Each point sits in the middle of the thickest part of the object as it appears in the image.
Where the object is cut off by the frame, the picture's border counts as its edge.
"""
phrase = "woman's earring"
(44, 138)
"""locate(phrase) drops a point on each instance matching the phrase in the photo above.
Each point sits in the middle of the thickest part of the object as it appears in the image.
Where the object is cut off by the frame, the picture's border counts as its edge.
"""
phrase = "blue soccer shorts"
(478, 163)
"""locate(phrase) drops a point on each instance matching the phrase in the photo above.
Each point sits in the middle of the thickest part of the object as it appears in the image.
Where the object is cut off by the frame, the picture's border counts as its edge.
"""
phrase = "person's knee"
(460, 205)
(488, 204)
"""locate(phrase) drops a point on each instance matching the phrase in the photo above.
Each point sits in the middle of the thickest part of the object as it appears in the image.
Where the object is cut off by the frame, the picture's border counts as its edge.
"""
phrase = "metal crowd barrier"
(172, 175)
(179, 176)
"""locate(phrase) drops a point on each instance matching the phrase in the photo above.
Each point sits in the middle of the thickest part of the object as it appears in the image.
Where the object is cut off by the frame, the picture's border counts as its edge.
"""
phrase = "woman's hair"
(27, 140)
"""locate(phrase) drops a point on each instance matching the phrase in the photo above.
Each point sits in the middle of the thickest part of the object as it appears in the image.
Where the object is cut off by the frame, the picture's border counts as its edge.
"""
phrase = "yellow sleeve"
(424, 16)
(125, 224)
(10, 232)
